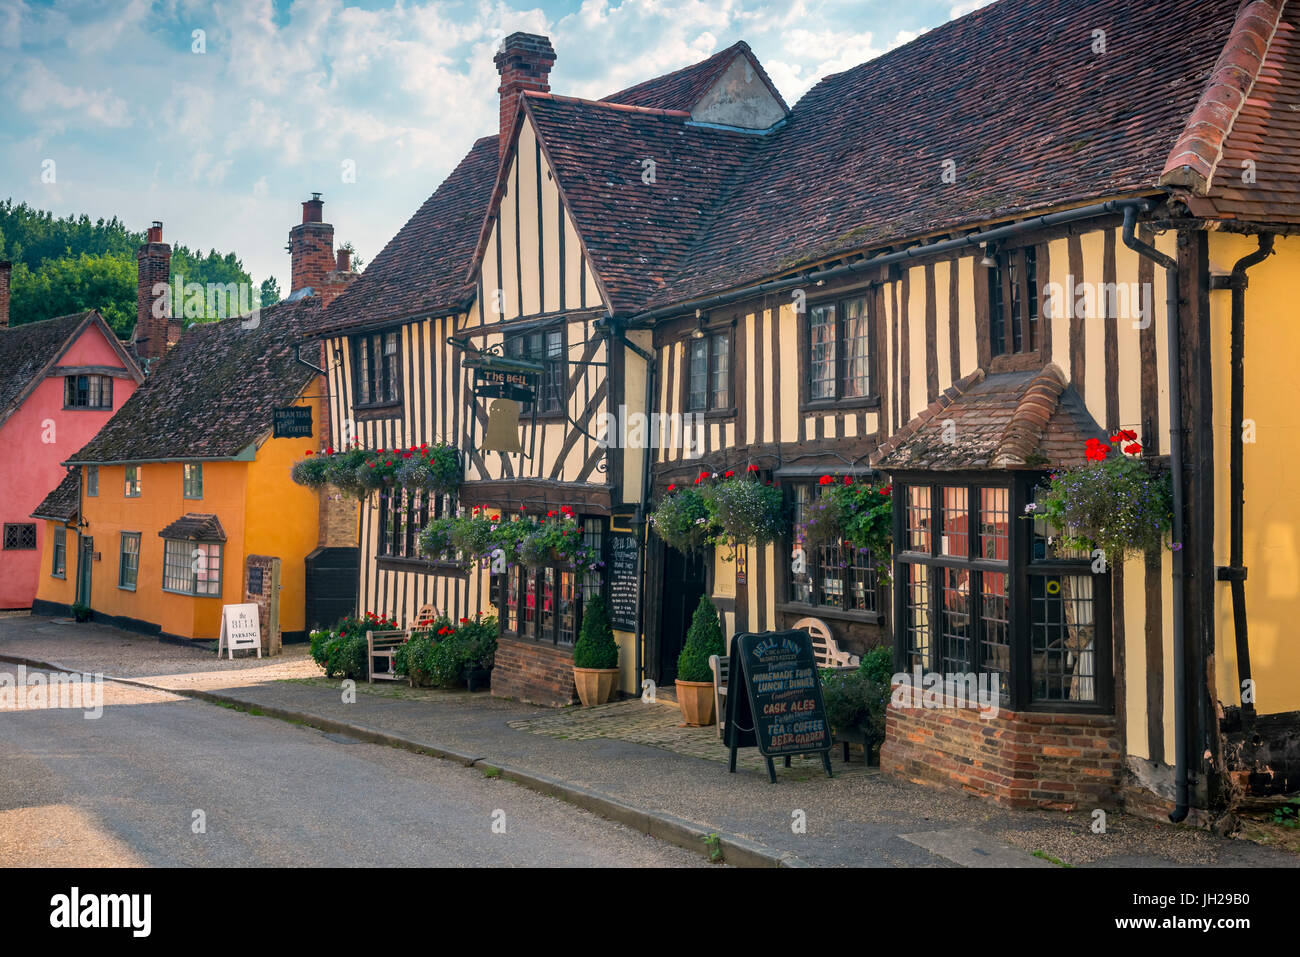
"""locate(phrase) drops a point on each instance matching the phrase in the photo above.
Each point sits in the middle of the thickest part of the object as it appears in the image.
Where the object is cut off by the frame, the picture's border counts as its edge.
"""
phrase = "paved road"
(123, 790)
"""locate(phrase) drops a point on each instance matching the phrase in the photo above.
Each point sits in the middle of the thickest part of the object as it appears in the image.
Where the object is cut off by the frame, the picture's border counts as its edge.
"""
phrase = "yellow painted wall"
(62, 591)
(282, 517)
(1272, 472)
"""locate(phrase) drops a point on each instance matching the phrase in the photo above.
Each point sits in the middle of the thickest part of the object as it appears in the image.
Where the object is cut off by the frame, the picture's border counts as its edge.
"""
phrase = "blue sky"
(223, 145)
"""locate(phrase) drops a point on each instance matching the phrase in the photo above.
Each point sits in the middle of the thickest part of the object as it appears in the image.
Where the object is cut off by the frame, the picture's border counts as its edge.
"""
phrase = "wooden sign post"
(241, 630)
(781, 709)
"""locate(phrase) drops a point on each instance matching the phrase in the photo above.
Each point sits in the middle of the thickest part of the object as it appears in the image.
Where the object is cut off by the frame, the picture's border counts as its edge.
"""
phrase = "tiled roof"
(1013, 94)
(682, 89)
(195, 527)
(423, 268)
(1008, 420)
(212, 395)
(26, 351)
(637, 234)
(1265, 131)
(64, 500)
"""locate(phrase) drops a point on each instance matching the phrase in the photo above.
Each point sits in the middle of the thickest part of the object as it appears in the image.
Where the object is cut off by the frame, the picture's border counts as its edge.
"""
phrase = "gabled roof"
(212, 395)
(423, 268)
(195, 527)
(64, 501)
(29, 351)
(682, 89)
(636, 234)
(1248, 119)
(1012, 94)
(1003, 421)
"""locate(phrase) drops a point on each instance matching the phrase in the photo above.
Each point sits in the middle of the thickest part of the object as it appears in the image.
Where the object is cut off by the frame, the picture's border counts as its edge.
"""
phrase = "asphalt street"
(163, 780)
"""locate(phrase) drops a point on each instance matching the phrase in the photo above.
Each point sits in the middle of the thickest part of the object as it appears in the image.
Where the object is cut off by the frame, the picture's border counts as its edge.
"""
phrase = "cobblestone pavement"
(659, 725)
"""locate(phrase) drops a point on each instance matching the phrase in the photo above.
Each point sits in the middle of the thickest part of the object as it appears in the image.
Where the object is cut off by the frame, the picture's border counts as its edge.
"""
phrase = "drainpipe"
(619, 332)
(1235, 572)
(1170, 265)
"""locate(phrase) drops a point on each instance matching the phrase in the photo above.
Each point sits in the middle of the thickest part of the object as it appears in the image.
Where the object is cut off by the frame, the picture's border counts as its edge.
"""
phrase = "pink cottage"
(60, 381)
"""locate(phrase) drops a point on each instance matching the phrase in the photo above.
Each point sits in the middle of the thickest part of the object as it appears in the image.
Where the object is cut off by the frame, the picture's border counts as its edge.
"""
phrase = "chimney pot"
(344, 261)
(312, 209)
(524, 61)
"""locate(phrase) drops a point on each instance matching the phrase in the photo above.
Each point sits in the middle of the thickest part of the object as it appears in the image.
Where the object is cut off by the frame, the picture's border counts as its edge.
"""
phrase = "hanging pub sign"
(292, 422)
(781, 709)
(502, 384)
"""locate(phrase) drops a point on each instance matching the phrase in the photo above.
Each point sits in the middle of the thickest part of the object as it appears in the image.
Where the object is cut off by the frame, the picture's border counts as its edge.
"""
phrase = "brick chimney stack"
(337, 279)
(311, 248)
(153, 266)
(6, 268)
(524, 62)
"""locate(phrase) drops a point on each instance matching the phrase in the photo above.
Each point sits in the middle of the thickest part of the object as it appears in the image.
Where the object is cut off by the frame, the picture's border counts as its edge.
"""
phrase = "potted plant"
(694, 676)
(1117, 502)
(856, 702)
(682, 519)
(80, 611)
(595, 656)
(478, 636)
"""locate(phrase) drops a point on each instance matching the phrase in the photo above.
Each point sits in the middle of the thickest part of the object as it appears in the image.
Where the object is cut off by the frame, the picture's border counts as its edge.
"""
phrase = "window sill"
(727, 413)
(386, 410)
(60, 577)
(836, 405)
(132, 588)
(399, 564)
(189, 594)
(826, 611)
(87, 408)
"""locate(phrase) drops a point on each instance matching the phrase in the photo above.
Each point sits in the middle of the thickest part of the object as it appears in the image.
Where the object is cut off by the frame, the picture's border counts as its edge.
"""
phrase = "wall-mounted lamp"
(990, 259)
(699, 324)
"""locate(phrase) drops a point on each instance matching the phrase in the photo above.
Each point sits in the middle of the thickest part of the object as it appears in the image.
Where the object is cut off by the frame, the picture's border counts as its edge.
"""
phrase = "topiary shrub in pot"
(595, 656)
(694, 676)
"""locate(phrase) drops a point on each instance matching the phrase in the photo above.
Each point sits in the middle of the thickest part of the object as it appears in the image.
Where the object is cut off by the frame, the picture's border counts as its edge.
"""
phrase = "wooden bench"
(825, 650)
(720, 667)
(382, 644)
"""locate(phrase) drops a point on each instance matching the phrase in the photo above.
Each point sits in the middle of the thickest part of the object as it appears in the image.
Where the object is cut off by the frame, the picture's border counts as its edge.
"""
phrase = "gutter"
(1235, 571)
(968, 241)
(1181, 743)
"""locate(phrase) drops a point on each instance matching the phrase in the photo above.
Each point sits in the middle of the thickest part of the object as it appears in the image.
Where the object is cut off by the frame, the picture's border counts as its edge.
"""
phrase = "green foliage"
(744, 511)
(858, 513)
(596, 647)
(341, 650)
(71, 264)
(440, 655)
(81, 611)
(555, 538)
(269, 294)
(358, 471)
(703, 640)
(682, 519)
(1288, 815)
(854, 699)
(1117, 502)
(878, 664)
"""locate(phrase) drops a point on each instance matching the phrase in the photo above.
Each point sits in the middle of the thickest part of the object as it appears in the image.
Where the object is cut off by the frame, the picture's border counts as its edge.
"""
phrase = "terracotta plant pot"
(595, 685)
(696, 701)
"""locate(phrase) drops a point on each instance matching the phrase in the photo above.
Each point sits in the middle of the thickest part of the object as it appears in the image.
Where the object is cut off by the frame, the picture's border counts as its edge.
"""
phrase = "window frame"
(553, 382)
(816, 572)
(189, 480)
(1019, 568)
(92, 481)
(193, 579)
(72, 392)
(372, 339)
(583, 584)
(59, 552)
(1004, 321)
(709, 336)
(129, 472)
(839, 400)
(19, 526)
(410, 554)
(121, 561)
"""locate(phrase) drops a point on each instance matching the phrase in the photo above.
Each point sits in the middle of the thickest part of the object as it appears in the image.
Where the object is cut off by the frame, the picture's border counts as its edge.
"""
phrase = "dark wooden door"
(684, 578)
(85, 561)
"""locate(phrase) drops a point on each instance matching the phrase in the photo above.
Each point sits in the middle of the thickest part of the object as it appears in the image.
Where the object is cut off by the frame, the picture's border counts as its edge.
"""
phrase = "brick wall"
(262, 599)
(1019, 759)
(153, 268)
(532, 672)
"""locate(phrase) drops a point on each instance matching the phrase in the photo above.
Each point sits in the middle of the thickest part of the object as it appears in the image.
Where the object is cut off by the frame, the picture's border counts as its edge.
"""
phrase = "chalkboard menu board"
(623, 580)
(781, 708)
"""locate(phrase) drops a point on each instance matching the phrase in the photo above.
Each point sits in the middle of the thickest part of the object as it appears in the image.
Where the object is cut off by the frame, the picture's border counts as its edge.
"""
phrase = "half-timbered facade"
(950, 287)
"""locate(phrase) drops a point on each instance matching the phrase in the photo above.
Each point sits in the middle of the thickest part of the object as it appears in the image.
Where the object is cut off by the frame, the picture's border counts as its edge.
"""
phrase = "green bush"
(703, 640)
(596, 647)
(341, 650)
(854, 699)
(878, 664)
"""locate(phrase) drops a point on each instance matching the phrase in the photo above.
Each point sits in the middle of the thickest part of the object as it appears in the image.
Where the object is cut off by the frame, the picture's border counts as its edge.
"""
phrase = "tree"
(270, 292)
(74, 284)
(357, 262)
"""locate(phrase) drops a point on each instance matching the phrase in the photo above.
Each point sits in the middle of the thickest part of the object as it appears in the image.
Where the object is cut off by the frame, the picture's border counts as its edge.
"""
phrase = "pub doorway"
(685, 577)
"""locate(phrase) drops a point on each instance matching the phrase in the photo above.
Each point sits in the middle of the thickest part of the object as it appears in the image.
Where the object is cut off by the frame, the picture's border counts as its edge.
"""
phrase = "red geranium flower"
(848, 480)
(672, 487)
(752, 468)
(728, 474)
(825, 480)
(309, 452)
(551, 514)
(1133, 449)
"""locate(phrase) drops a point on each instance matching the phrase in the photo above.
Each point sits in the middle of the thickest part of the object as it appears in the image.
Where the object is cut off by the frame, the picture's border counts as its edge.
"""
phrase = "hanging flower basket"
(682, 519)
(436, 470)
(436, 538)
(868, 515)
(1118, 502)
(745, 512)
(312, 472)
(823, 523)
(474, 536)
